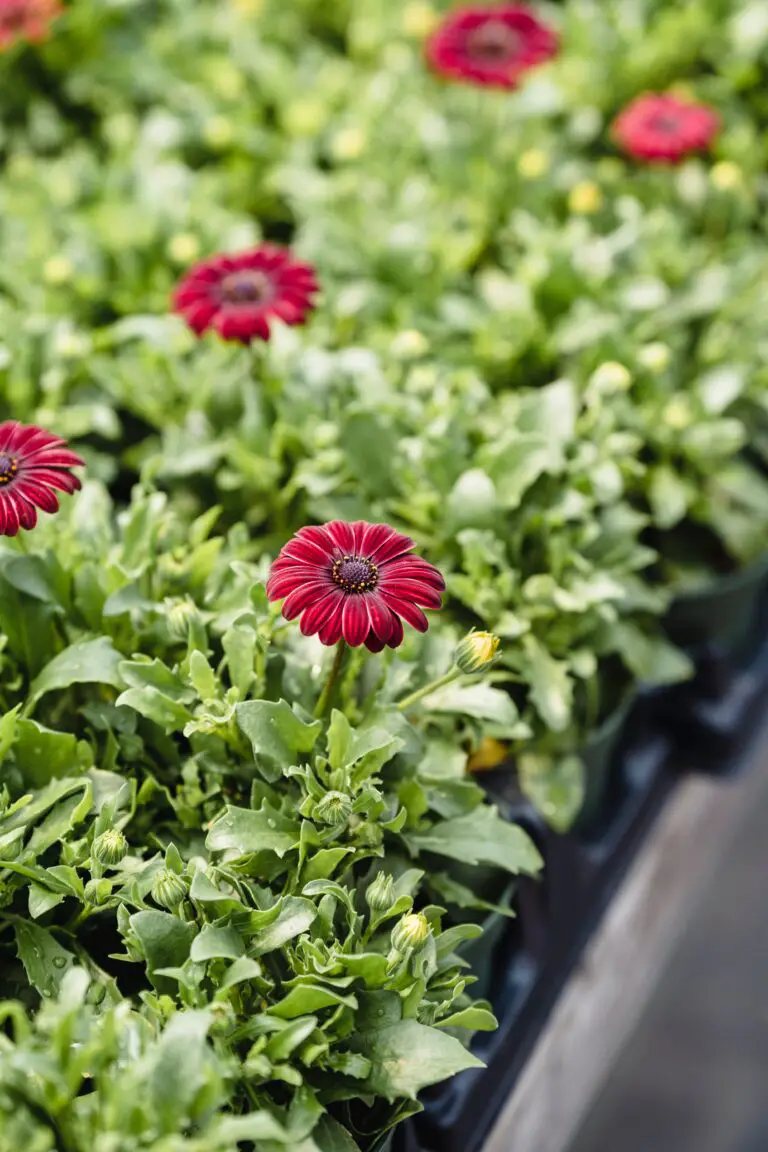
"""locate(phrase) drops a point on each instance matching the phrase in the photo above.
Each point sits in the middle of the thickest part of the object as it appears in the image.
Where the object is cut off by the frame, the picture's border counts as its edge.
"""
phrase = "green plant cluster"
(543, 360)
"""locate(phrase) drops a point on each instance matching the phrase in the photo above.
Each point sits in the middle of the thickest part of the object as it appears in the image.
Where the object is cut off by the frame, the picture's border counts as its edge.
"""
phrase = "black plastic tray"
(708, 725)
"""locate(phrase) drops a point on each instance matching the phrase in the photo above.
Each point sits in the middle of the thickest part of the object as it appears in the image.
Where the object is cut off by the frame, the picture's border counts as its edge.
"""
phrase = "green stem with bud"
(325, 696)
(420, 693)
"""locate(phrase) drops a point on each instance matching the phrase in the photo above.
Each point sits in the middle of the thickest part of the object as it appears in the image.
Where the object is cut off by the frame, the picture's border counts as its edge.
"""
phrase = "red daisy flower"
(33, 465)
(490, 44)
(238, 294)
(26, 20)
(655, 127)
(354, 581)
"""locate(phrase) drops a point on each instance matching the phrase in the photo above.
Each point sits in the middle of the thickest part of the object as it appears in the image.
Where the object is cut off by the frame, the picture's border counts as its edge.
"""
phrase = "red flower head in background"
(33, 465)
(26, 20)
(666, 128)
(491, 44)
(354, 581)
(237, 295)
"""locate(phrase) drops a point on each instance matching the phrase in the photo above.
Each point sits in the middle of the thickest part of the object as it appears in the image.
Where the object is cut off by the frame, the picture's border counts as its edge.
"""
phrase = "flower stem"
(322, 705)
(420, 693)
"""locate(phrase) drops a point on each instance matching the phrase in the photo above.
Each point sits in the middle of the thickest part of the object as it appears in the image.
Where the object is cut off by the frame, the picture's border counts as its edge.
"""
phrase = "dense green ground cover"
(539, 356)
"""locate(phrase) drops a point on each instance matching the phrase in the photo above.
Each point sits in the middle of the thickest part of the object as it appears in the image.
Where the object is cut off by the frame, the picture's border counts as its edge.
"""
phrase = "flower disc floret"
(490, 44)
(238, 295)
(355, 582)
(34, 465)
(664, 128)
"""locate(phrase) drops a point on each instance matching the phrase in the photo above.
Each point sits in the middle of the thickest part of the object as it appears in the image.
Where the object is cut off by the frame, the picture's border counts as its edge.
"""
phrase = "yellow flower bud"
(348, 144)
(476, 651)
(409, 344)
(419, 19)
(183, 248)
(218, 132)
(533, 163)
(655, 357)
(726, 176)
(489, 755)
(610, 377)
(57, 270)
(585, 198)
(410, 932)
(678, 413)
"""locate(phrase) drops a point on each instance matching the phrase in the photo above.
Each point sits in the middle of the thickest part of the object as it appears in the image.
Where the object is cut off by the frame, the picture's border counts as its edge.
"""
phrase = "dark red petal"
(52, 458)
(305, 551)
(373, 643)
(26, 512)
(359, 528)
(39, 494)
(398, 633)
(414, 591)
(7, 431)
(318, 536)
(9, 521)
(412, 568)
(380, 617)
(54, 478)
(301, 598)
(394, 545)
(29, 438)
(317, 614)
(330, 633)
(342, 535)
(374, 536)
(409, 612)
(281, 583)
(355, 622)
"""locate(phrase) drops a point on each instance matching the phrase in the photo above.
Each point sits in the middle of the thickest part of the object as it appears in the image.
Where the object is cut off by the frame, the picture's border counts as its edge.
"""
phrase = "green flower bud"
(168, 889)
(97, 892)
(110, 847)
(334, 808)
(5, 799)
(476, 651)
(381, 893)
(410, 932)
(182, 613)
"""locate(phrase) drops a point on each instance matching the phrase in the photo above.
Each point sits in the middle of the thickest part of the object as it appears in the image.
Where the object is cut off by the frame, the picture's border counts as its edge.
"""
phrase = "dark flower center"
(247, 287)
(493, 42)
(355, 574)
(667, 123)
(9, 466)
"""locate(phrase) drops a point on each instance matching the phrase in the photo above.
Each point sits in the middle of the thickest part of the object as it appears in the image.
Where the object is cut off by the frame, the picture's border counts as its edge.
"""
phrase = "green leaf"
(94, 661)
(340, 735)
(44, 755)
(216, 943)
(277, 735)
(295, 916)
(149, 702)
(306, 999)
(165, 940)
(652, 659)
(8, 731)
(243, 970)
(479, 700)
(202, 676)
(551, 685)
(554, 785)
(243, 831)
(45, 961)
(669, 495)
(481, 837)
(179, 1066)
(475, 1018)
(324, 863)
(407, 1057)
